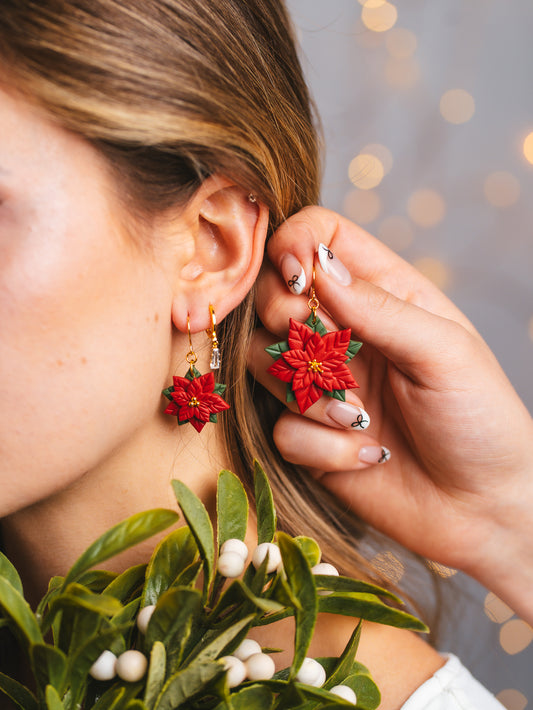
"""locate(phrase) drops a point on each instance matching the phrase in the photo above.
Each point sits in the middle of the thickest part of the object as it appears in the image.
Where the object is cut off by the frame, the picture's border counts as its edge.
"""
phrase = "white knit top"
(452, 687)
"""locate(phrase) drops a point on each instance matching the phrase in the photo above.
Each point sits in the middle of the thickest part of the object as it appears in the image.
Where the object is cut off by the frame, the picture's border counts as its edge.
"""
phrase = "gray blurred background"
(427, 108)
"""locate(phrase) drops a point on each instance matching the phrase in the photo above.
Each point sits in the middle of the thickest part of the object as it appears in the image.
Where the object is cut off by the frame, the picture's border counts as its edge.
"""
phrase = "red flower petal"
(307, 396)
(281, 370)
(299, 334)
(339, 340)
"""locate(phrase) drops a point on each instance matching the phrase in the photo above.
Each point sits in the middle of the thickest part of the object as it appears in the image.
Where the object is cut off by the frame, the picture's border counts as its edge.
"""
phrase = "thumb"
(414, 339)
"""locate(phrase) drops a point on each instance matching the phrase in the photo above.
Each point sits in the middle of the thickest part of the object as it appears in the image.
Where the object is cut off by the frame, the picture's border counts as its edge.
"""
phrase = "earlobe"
(229, 231)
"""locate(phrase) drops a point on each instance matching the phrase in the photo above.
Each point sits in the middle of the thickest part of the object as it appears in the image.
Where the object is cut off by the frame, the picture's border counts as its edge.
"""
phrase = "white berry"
(144, 616)
(235, 545)
(235, 670)
(343, 691)
(104, 668)
(274, 556)
(325, 568)
(311, 673)
(259, 666)
(230, 564)
(131, 666)
(246, 649)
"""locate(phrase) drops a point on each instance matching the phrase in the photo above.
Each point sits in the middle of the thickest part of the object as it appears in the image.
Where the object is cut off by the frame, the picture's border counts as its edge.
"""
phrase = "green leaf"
(122, 536)
(185, 684)
(219, 388)
(54, 586)
(189, 575)
(353, 349)
(277, 349)
(310, 548)
(18, 610)
(198, 521)
(135, 704)
(173, 554)
(78, 597)
(317, 326)
(172, 619)
(368, 606)
(368, 695)
(215, 647)
(289, 395)
(255, 697)
(18, 693)
(53, 701)
(10, 574)
(127, 613)
(346, 584)
(337, 394)
(125, 584)
(232, 508)
(49, 665)
(264, 505)
(156, 673)
(301, 582)
(345, 663)
(97, 579)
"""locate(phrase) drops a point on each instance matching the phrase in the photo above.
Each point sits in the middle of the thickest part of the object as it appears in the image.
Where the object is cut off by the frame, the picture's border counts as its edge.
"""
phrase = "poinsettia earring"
(196, 398)
(312, 361)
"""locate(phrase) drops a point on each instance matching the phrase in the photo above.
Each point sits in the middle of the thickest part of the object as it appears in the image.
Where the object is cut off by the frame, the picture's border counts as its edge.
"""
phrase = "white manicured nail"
(333, 266)
(374, 454)
(293, 274)
(348, 415)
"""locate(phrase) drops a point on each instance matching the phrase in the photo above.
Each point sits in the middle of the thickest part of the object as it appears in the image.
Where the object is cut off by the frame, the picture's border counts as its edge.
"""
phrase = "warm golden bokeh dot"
(502, 189)
(382, 153)
(457, 106)
(512, 699)
(389, 566)
(362, 206)
(401, 43)
(515, 636)
(434, 270)
(441, 570)
(366, 171)
(402, 73)
(372, 3)
(426, 207)
(396, 232)
(528, 147)
(497, 610)
(379, 18)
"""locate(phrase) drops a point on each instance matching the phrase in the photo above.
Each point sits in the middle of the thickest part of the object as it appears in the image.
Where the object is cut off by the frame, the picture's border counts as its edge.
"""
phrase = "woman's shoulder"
(452, 687)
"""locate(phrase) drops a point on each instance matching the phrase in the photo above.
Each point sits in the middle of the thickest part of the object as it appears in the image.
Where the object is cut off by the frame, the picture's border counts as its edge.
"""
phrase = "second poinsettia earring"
(196, 398)
(312, 361)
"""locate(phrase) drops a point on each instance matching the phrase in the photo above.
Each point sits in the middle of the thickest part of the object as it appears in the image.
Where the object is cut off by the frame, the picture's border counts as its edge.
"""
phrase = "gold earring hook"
(191, 355)
(313, 302)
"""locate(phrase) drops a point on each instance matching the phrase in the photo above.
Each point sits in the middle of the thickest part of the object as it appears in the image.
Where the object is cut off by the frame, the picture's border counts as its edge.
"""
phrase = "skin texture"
(93, 328)
(459, 485)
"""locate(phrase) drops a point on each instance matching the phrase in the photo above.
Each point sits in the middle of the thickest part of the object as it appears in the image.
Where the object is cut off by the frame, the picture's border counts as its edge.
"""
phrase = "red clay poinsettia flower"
(313, 361)
(195, 399)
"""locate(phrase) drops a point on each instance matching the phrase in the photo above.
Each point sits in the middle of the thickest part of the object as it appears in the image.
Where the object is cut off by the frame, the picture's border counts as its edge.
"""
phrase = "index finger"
(293, 246)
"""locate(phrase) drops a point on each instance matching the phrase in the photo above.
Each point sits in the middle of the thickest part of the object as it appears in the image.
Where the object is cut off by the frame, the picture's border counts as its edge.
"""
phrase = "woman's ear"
(226, 229)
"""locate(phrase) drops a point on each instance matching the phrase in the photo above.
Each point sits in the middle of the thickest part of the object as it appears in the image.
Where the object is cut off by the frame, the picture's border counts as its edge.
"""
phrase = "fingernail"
(293, 274)
(374, 454)
(348, 415)
(333, 266)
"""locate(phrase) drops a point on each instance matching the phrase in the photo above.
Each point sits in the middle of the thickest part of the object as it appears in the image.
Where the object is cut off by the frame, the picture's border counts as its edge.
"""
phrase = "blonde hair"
(171, 91)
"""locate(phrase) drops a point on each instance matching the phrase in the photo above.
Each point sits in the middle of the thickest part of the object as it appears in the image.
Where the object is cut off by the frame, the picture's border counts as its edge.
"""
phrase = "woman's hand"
(459, 484)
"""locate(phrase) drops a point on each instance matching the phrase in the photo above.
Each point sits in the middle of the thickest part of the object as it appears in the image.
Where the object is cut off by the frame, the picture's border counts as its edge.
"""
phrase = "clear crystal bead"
(215, 359)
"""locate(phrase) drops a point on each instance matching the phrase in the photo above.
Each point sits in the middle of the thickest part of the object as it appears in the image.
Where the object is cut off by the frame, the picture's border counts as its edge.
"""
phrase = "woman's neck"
(46, 538)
